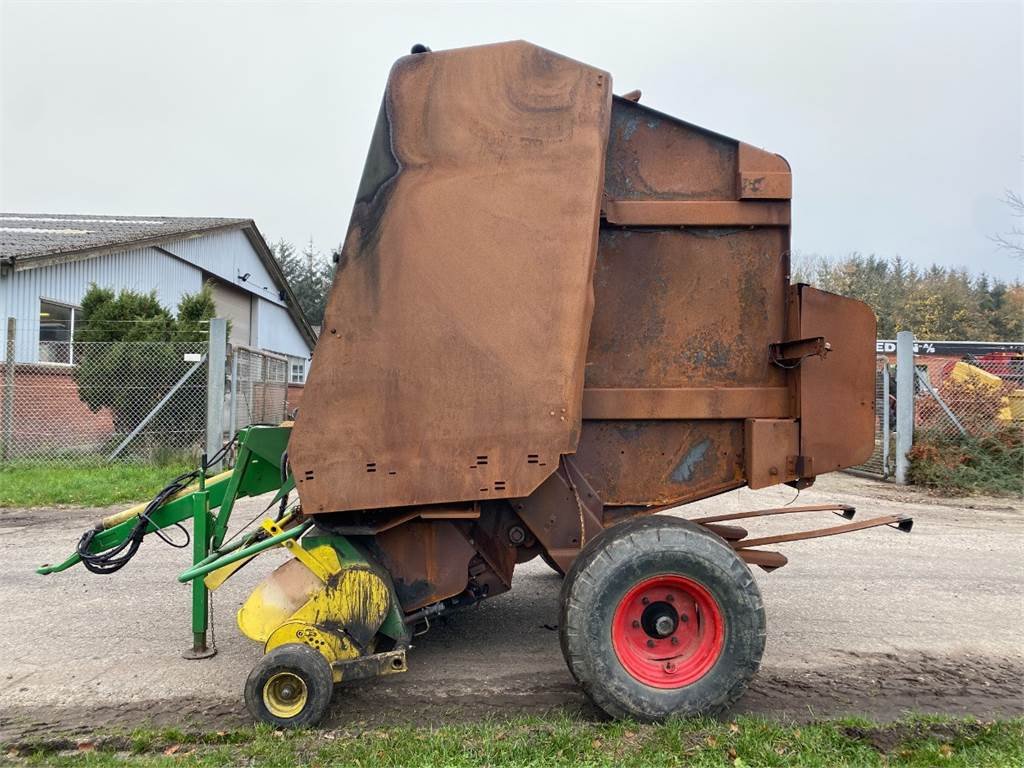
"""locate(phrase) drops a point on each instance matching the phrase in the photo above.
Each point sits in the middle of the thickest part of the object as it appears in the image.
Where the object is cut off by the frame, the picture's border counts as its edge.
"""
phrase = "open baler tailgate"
(450, 366)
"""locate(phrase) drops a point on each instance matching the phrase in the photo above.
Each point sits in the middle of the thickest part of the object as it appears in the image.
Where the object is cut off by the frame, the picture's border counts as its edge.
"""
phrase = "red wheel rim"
(668, 631)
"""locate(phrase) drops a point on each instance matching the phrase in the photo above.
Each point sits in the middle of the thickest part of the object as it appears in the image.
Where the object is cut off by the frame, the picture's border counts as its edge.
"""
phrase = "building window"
(57, 332)
(297, 366)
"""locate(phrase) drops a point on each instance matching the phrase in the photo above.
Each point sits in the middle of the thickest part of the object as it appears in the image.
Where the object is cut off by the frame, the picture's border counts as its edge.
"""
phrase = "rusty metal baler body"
(555, 311)
(556, 308)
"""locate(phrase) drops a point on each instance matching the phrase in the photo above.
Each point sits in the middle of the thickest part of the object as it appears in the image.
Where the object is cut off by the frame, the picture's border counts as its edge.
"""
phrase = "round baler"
(556, 312)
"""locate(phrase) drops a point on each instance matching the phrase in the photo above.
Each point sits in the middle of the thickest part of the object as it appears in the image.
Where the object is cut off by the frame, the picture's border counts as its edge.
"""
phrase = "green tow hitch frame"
(257, 471)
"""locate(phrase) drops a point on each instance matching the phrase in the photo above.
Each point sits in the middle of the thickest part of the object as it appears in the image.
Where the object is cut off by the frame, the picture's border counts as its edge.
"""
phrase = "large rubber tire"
(299, 661)
(604, 580)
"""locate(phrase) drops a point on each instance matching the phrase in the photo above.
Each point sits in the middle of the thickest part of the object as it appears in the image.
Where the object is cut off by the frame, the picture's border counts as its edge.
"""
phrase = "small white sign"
(193, 357)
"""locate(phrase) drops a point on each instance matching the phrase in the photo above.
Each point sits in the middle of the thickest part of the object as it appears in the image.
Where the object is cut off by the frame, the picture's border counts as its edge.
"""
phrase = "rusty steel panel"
(690, 308)
(569, 304)
(763, 175)
(450, 366)
(655, 213)
(836, 392)
(686, 403)
(653, 156)
(770, 450)
(660, 462)
(427, 561)
(563, 513)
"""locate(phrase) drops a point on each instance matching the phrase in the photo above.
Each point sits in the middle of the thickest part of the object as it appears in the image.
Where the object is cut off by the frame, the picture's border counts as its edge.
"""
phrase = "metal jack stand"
(201, 537)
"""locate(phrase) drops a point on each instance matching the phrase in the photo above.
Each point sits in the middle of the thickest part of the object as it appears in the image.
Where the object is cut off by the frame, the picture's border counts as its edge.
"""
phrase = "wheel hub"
(659, 619)
(285, 694)
(668, 631)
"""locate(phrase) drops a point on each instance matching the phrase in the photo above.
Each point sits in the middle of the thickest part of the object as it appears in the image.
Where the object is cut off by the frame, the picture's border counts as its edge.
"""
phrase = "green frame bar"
(233, 556)
(257, 471)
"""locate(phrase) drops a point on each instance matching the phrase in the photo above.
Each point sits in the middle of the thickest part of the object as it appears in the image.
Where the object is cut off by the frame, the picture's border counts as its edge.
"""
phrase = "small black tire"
(551, 563)
(290, 687)
(605, 577)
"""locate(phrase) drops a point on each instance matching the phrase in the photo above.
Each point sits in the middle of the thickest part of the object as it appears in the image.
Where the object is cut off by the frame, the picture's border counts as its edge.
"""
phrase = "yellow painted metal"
(285, 694)
(283, 593)
(1014, 406)
(296, 604)
(966, 373)
(322, 568)
(333, 645)
(356, 596)
(218, 577)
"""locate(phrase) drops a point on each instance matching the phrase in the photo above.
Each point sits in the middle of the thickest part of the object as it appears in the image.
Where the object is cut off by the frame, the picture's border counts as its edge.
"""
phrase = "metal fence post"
(216, 364)
(233, 395)
(886, 425)
(904, 402)
(7, 414)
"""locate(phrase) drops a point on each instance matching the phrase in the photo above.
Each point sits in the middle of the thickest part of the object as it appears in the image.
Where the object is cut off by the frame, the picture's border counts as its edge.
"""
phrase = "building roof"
(35, 235)
(35, 238)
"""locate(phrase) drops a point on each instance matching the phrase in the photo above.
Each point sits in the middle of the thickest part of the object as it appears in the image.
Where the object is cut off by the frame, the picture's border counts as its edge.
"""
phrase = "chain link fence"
(881, 462)
(112, 401)
(971, 397)
(258, 390)
(965, 404)
(68, 402)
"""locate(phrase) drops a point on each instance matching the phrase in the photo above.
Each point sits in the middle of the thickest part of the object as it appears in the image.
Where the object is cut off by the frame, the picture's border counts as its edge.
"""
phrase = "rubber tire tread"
(616, 560)
(307, 663)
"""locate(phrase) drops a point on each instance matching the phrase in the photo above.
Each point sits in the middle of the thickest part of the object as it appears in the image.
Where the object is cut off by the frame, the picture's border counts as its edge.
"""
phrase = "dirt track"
(871, 623)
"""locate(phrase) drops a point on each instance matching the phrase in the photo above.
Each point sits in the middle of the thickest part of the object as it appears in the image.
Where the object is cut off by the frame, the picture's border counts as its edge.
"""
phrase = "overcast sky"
(903, 122)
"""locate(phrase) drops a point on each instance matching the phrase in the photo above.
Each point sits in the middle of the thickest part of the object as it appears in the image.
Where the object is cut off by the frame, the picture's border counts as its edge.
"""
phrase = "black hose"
(117, 557)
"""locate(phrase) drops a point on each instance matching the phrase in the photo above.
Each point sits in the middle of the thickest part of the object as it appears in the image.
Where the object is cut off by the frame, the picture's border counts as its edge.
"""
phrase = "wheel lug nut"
(645, 600)
(670, 598)
(684, 618)
(669, 666)
(675, 641)
(650, 643)
(636, 624)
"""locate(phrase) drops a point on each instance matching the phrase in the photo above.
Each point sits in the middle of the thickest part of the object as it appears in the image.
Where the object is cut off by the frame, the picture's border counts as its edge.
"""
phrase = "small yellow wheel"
(285, 694)
(290, 687)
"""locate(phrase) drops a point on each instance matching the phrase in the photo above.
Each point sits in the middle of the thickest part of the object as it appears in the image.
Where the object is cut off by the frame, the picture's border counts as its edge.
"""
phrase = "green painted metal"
(260, 450)
(257, 471)
(200, 547)
(209, 565)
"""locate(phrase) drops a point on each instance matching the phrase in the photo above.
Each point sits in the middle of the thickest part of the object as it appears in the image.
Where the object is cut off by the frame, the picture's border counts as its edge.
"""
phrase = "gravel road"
(871, 623)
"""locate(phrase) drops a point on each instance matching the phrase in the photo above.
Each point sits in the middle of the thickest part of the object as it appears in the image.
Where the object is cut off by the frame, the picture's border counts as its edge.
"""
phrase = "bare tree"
(1013, 241)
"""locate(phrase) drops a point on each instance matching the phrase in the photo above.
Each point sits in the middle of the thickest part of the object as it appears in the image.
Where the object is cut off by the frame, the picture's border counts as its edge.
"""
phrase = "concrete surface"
(871, 623)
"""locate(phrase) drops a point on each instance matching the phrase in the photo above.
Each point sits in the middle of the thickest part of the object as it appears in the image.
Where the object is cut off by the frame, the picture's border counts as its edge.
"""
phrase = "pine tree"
(309, 274)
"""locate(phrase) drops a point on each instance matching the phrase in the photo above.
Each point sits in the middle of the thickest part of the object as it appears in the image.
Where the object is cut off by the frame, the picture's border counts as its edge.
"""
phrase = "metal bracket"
(375, 665)
(789, 354)
(901, 522)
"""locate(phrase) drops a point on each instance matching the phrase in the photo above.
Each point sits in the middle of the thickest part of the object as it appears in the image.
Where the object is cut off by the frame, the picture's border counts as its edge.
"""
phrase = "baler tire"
(625, 564)
(293, 660)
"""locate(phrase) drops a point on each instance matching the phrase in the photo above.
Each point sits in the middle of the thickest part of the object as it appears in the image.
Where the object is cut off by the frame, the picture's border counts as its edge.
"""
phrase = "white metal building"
(48, 262)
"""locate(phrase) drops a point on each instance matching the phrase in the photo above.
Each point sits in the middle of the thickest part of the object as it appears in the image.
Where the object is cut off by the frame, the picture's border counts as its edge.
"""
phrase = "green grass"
(88, 485)
(559, 740)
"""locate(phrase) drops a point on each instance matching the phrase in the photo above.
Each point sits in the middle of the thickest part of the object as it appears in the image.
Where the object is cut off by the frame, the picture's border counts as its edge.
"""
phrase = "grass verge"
(992, 464)
(560, 740)
(89, 485)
